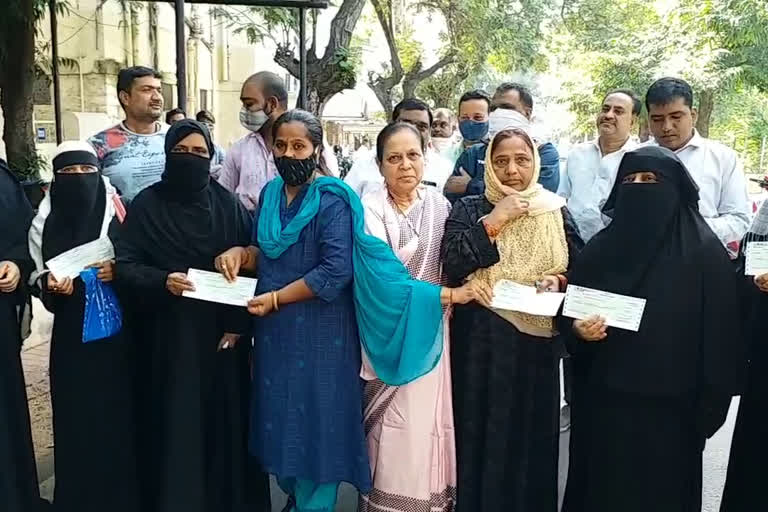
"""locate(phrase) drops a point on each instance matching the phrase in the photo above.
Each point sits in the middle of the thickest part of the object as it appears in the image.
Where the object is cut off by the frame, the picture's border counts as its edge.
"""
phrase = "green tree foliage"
(481, 37)
(717, 45)
(18, 52)
(741, 121)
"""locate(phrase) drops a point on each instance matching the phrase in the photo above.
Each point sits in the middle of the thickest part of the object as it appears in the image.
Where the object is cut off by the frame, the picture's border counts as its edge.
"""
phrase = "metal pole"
(181, 55)
(55, 70)
(303, 57)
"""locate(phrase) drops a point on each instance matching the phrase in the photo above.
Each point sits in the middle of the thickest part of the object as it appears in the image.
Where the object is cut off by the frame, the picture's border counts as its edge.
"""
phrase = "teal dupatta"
(399, 318)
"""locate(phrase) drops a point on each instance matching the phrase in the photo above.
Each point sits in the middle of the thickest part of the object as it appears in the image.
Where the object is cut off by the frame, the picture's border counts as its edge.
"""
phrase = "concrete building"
(99, 37)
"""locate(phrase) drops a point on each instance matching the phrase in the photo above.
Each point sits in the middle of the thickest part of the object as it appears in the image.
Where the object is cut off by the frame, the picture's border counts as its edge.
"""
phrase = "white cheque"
(757, 259)
(71, 263)
(619, 311)
(213, 287)
(518, 297)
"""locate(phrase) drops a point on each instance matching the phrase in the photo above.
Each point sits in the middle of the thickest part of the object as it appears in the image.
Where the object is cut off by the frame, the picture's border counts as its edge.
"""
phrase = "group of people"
(372, 352)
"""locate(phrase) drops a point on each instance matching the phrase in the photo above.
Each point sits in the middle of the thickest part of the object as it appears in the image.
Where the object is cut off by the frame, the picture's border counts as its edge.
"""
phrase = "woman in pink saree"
(409, 428)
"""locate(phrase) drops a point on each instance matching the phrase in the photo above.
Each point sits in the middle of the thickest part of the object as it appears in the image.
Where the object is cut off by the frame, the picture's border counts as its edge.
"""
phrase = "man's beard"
(152, 115)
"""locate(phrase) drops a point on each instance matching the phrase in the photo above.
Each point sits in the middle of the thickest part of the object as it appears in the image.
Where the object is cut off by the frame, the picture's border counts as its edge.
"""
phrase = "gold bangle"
(246, 261)
(491, 231)
(450, 296)
(275, 301)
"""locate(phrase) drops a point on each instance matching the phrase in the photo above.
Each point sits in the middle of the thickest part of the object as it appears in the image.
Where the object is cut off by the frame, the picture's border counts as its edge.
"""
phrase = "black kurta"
(194, 399)
(92, 394)
(18, 476)
(648, 400)
(505, 385)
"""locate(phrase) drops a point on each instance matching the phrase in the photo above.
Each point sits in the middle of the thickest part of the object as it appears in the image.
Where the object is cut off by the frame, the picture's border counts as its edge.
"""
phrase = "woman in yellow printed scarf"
(505, 363)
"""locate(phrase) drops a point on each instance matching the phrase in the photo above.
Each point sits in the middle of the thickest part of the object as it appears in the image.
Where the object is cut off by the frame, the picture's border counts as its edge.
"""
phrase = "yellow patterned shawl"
(530, 246)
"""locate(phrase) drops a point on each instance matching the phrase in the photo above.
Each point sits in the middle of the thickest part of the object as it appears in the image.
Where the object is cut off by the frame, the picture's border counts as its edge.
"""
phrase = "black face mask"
(186, 174)
(295, 172)
(644, 212)
(75, 194)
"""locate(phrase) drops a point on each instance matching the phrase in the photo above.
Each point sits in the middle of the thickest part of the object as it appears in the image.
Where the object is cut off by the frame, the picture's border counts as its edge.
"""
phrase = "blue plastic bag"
(103, 317)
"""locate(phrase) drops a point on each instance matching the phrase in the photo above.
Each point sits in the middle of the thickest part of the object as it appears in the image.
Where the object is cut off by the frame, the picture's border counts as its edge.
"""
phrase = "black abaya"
(92, 386)
(649, 400)
(194, 417)
(18, 475)
(744, 486)
(505, 385)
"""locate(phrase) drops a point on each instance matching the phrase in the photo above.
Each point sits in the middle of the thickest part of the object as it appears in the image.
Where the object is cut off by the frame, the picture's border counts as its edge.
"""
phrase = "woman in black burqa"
(744, 487)
(18, 476)
(91, 383)
(649, 400)
(194, 377)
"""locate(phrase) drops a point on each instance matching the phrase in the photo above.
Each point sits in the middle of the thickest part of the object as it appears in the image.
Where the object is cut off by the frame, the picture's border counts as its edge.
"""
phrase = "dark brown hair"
(314, 132)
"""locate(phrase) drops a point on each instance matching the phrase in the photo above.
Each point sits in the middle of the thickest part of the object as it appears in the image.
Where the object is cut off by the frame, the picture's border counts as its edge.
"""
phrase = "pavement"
(35, 361)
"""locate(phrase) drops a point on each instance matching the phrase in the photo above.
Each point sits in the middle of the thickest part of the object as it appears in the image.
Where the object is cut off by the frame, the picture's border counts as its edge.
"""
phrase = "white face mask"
(253, 121)
(507, 119)
(442, 144)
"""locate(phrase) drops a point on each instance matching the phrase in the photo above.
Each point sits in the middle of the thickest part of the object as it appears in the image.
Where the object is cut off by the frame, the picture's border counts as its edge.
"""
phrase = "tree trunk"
(706, 106)
(17, 83)
(644, 130)
(331, 73)
(384, 85)
(417, 75)
(384, 88)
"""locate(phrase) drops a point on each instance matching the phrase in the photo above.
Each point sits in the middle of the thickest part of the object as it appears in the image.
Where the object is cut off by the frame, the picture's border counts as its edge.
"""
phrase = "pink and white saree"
(409, 428)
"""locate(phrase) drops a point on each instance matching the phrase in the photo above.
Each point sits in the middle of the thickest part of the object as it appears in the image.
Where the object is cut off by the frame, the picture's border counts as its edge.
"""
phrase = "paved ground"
(35, 359)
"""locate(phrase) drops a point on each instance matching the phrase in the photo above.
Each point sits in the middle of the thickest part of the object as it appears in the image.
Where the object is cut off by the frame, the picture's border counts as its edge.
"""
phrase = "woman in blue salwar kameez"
(306, 413)
(325, 289)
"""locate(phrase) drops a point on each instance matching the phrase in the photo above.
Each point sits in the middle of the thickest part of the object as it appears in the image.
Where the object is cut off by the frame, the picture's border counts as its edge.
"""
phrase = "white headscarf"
(507, 119)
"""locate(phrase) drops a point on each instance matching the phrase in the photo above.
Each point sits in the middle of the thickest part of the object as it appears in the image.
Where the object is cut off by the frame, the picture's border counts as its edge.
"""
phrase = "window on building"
(204, 96)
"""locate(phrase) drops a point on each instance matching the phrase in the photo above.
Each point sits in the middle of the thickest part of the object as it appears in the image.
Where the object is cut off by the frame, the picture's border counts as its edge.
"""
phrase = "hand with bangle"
(471, 290)
(265, 303)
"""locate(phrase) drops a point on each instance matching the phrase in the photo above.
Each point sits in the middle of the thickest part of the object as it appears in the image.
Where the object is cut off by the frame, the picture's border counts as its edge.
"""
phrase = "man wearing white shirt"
(592, 166)
(365, 172)
(715, 168)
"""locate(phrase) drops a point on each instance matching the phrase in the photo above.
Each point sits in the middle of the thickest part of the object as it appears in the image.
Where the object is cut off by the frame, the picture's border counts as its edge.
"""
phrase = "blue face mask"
(473, 130)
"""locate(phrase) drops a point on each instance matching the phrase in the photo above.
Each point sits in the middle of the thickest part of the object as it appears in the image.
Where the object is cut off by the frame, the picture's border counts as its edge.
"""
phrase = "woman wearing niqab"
(194, 373)
(92, 386)
(18, 475)
(648, 400)
(744, 486)
(504, 364)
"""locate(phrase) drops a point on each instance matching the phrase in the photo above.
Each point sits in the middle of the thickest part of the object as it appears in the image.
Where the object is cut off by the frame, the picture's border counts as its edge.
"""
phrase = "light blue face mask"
(253, 121)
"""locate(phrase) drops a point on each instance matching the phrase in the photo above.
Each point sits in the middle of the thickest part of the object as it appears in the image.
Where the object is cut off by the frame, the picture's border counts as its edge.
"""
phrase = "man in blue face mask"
(474, 107)
(511, 107)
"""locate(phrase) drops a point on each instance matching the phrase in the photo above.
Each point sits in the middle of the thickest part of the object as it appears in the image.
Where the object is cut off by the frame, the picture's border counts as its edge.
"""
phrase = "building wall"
(99, 37)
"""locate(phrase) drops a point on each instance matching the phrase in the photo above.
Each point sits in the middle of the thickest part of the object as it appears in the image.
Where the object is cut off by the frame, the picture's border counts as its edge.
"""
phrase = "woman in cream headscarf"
(505, 364)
